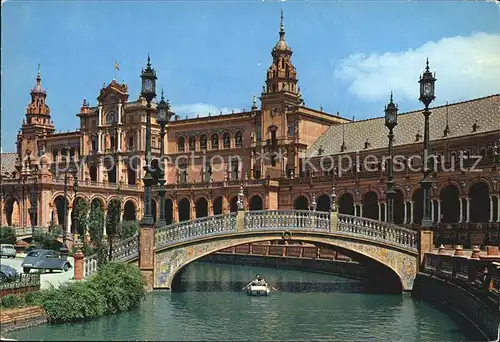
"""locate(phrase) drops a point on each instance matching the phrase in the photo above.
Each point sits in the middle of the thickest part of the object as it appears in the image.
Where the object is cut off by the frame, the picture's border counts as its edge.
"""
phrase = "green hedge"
(115, 287)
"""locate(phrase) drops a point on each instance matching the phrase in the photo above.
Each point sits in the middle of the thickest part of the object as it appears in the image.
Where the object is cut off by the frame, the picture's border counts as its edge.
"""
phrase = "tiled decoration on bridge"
(170, 261)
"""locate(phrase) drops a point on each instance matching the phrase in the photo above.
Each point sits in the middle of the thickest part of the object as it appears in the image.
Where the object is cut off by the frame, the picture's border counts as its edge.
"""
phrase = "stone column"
(491, 208)
(461, 210)
(68, 220)
(498, 208)
(120, 112)
(439, 211)
(468, 210)
(406, 212)
(175, 208)
(99, 120)
(412, 212)
(99, 141)
(379, 211)
(361, 210)
(119, 138)
(433, 211)
(104, 232)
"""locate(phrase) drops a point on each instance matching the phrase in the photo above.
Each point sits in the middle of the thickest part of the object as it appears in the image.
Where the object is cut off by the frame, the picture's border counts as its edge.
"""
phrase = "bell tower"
(280, 97)
(37, 124)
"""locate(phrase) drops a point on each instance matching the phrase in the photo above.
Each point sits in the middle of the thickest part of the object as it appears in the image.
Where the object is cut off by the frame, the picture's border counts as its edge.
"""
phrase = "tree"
(129, 229)
(8, 235)
(96, 229)
(82, 215)
(113, 222)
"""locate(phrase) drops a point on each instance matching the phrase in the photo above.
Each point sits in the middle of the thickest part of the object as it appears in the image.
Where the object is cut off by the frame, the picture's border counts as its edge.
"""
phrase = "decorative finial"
(447, 128)
(149, 60)
(427, 64)
(38, 74)
(162, 98)
(390, 101)
(282, 25)
(254, 100)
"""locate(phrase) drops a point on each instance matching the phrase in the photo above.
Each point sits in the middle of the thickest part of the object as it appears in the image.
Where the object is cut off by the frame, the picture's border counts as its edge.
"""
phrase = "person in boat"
(259, 281)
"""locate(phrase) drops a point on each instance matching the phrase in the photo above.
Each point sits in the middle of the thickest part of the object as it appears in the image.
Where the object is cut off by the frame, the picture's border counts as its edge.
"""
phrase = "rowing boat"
(258, 290)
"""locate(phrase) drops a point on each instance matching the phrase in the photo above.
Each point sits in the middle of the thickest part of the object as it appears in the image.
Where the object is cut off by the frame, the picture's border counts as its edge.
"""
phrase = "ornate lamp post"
(163, 118)
(64, 249)
(426, 81)
(148, 92)
(391, 120)
(75, 202)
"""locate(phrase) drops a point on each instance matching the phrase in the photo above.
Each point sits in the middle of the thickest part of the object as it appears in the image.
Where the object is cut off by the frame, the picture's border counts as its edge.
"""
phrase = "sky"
(212, 56)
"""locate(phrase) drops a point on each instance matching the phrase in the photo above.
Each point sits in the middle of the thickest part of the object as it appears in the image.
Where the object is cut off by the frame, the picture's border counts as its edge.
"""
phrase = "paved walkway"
(55, 278)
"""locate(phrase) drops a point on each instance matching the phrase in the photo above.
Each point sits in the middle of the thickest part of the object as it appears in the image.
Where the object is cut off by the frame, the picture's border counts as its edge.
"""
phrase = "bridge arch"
(171, 260)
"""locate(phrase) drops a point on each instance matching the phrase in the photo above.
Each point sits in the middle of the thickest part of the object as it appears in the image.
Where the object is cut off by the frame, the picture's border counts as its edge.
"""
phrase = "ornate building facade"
(281, 153)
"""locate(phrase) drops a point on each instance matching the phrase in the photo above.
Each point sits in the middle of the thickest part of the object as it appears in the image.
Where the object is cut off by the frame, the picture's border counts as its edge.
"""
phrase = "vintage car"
(7, 250)
(7, 273)
(46, 260)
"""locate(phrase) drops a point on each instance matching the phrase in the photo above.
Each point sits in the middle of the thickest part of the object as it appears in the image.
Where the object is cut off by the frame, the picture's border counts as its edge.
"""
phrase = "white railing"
(126, 249)
(377, 231)
(89, 265)
(287, 220)
(192, 230)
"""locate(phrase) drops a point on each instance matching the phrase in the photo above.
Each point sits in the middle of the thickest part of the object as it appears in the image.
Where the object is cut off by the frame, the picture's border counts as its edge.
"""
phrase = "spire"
(281, 45)
(38, 78)
(282, 27)
(37, 90)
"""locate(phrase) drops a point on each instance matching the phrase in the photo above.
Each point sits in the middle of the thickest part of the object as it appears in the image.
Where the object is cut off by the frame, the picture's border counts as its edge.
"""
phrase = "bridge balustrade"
(287, 220)
(191, 230)
(90, 265)
(126, 249)
(377, 230)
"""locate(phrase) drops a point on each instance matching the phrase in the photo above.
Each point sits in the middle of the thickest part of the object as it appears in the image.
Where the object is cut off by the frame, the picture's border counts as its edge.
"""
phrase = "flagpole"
(115, 70)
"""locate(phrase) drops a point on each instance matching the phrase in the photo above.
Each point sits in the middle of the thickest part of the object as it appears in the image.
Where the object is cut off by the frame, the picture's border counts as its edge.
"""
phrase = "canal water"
(308, 306)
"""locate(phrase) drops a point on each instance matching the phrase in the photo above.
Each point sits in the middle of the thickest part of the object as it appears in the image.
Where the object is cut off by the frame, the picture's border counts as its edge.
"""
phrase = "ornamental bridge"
(165, 251)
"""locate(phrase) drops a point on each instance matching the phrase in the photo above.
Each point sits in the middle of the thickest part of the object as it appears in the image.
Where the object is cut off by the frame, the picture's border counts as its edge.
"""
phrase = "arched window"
(226, 140)
(180, 144)
(192, 143)
(215, 141)
(239, 139)
(203, 142)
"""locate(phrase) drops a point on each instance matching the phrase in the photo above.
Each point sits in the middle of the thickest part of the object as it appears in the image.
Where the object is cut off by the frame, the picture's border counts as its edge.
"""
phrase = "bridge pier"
(147, 255)
(425, 243)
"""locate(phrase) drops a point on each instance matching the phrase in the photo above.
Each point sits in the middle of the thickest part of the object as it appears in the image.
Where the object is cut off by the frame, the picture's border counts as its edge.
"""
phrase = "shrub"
(73, 302)
(8, 235)
(12, 301)
(121, 284)
(32, 298)
(46, 240)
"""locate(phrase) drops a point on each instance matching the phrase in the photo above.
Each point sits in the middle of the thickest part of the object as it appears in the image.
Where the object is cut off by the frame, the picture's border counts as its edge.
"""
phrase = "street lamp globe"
(427, 81)
(391, 114)
(162, 115)
(149, 78)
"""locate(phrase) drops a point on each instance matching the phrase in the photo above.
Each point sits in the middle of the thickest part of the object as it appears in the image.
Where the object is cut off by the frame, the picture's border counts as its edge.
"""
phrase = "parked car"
(7, 273)
(7, 250)
(45, 259)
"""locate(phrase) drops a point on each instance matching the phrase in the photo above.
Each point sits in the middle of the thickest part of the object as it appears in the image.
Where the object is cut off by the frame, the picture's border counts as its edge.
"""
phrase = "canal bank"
(480, 311)
(308, 306)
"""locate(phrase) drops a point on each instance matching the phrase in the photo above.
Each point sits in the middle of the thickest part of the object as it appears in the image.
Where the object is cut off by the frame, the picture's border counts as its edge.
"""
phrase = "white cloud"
(466, 67)
(202, 109)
